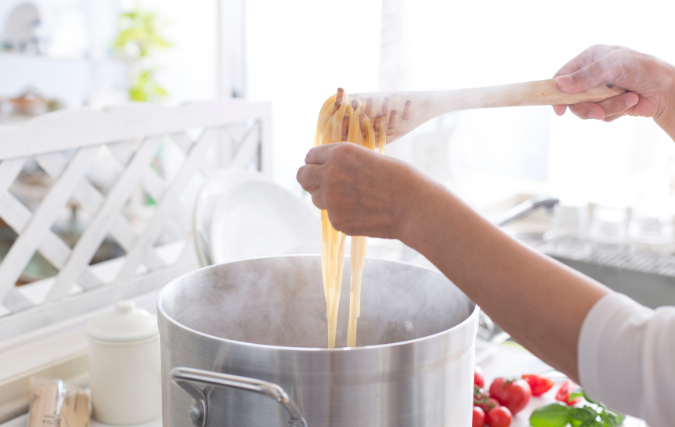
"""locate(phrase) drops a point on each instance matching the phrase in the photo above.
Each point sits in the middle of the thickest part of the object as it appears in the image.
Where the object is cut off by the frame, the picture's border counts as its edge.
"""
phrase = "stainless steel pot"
(243, 344)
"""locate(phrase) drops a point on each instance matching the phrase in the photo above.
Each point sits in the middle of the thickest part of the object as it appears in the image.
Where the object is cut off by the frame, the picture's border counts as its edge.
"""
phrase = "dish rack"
(206, 136)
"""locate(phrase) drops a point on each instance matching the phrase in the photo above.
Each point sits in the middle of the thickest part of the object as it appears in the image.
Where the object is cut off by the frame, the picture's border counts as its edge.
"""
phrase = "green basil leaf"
(576, 393)
(622, 417)
(591, 423)
(553, 415)
(611, 418)
(588, 399)
(584, 413)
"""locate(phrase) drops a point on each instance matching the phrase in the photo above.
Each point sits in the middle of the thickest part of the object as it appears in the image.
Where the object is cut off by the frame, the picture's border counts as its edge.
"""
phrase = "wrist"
(666, 116)
(419, 211)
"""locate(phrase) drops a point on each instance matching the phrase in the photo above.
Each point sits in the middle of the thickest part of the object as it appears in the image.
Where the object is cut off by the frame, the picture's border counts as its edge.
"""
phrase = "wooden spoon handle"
(543, 92)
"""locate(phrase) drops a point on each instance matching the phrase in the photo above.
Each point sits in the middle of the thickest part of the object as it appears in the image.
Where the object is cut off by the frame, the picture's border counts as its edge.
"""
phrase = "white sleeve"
(626, 358)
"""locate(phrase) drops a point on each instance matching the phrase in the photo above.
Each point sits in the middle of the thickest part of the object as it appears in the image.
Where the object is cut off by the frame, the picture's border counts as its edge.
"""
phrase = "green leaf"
(590, 423)
(576, 393)
(553, 415)
(584, 413)
(611, 418)
(160, 91)
(139, 33)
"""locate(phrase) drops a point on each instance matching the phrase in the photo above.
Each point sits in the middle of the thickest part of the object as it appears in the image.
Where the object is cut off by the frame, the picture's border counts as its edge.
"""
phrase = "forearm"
(667, 122)
(665, 116)
(537, 300)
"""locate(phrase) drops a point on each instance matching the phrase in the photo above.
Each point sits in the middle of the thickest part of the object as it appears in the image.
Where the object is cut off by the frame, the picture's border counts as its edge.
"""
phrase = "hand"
(649, 81)
(365, 193)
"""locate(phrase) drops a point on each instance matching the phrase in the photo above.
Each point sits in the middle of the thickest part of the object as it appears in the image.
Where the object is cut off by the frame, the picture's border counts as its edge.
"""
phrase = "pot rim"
(165, 315)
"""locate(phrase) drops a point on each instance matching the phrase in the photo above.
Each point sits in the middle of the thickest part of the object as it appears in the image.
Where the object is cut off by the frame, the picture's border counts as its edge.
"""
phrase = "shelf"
(53, 58)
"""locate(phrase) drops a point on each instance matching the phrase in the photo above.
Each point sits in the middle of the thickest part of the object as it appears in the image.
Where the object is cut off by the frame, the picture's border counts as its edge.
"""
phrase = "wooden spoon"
(420, 107)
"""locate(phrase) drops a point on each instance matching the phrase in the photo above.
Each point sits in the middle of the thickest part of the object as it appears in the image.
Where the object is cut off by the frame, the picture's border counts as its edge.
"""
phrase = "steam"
(280, 301)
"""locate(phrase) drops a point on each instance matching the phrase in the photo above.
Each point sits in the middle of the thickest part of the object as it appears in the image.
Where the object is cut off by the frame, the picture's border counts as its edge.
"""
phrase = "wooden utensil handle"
(543, 92)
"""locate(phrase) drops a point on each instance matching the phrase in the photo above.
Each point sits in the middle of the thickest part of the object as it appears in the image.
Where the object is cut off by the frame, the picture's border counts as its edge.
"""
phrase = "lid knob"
(125, 322)
(124, 306)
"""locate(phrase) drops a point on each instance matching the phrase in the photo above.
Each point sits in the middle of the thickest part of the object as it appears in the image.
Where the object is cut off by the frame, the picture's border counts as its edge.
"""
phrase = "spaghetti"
(342, 119)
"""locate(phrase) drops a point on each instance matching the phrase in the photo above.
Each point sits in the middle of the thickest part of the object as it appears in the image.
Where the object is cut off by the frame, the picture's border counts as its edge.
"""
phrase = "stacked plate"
(242, 215)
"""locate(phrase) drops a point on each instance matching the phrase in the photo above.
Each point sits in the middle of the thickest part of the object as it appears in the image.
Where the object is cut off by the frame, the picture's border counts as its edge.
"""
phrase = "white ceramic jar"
(124, 366)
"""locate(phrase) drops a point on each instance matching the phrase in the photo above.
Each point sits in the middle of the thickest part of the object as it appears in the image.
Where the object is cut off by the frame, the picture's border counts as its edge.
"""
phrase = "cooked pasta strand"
(342, 118)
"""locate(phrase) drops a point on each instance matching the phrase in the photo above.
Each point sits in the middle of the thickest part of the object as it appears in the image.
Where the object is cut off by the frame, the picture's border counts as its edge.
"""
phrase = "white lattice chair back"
(65, 145)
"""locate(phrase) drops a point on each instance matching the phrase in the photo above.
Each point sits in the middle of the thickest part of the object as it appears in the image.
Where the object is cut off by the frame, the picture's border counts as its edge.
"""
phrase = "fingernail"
(631, 99)
(595, 115)
(564, 80)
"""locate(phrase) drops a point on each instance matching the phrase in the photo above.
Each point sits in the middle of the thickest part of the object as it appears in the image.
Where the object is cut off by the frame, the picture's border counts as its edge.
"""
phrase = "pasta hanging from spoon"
(343, 119)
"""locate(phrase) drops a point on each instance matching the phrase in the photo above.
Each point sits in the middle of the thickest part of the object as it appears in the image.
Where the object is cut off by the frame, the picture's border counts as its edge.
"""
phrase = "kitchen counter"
(509, 360)
(157, 422)
(22, 421)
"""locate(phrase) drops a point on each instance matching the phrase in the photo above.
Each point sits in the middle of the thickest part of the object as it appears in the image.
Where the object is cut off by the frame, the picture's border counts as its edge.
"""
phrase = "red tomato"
(478, 419)
(499, 417)
(563, 394)
(539, 385)
(478, 378)
(482, 400)
(514, 394)
(488, 404)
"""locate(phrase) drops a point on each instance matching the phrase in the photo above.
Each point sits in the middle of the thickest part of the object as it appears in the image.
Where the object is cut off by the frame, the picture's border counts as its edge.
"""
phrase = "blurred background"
(65, 54)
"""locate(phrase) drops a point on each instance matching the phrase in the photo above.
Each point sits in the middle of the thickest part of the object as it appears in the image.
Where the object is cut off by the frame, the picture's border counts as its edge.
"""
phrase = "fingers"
(603, 70)
(588, 110)
(318, 199)
(559, 109)
(319, 155)
(309, 177)
(612, 118)
(586, 57)
(619, 104)
(606, 109)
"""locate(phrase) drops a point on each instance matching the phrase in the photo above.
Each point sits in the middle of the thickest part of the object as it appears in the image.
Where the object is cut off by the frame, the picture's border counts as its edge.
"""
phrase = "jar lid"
(124, 323)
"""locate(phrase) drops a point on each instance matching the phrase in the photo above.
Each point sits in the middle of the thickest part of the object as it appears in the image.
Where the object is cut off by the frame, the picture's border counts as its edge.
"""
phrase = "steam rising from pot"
(280, 301)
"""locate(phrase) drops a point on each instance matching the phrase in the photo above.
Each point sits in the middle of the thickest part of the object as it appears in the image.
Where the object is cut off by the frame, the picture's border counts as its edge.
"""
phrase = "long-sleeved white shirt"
(627, 358)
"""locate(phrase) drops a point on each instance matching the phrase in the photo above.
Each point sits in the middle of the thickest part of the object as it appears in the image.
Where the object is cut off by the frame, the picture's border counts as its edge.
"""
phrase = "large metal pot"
(243, 344)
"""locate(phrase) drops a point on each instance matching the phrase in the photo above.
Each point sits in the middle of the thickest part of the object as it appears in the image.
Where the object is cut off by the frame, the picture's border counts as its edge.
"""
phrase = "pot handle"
(186, 378)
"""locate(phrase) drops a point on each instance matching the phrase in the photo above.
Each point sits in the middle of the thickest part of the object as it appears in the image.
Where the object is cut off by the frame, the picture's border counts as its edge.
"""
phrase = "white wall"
(467, 44)
(299, 53)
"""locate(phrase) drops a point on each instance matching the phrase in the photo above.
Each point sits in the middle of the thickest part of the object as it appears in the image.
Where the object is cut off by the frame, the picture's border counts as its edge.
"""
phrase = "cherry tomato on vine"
(478, 419)
(478, 378)
(514, 394)
(499, 417)
(482, 400)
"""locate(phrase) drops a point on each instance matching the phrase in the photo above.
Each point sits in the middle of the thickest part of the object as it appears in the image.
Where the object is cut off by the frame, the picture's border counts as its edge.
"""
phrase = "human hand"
(365, 193)
(650, 85)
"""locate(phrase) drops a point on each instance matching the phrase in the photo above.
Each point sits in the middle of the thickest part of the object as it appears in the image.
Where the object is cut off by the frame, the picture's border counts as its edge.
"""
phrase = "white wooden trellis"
(240, 129)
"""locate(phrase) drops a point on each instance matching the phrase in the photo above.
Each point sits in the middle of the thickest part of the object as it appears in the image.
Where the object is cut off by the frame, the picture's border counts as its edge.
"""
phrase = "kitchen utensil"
(241, 214)
(416, 108)
(244, 344)
(124, 365)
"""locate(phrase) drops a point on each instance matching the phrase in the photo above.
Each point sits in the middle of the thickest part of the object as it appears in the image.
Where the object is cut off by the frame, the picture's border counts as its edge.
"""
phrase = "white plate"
(243, 215)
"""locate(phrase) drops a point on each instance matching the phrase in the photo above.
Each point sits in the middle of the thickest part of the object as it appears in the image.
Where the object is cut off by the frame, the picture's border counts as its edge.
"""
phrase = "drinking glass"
(651, 231)
(608, 229)
(568, 237)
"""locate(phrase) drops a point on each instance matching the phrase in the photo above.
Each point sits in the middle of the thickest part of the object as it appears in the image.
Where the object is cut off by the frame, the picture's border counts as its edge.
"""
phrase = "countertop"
(509, 360)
